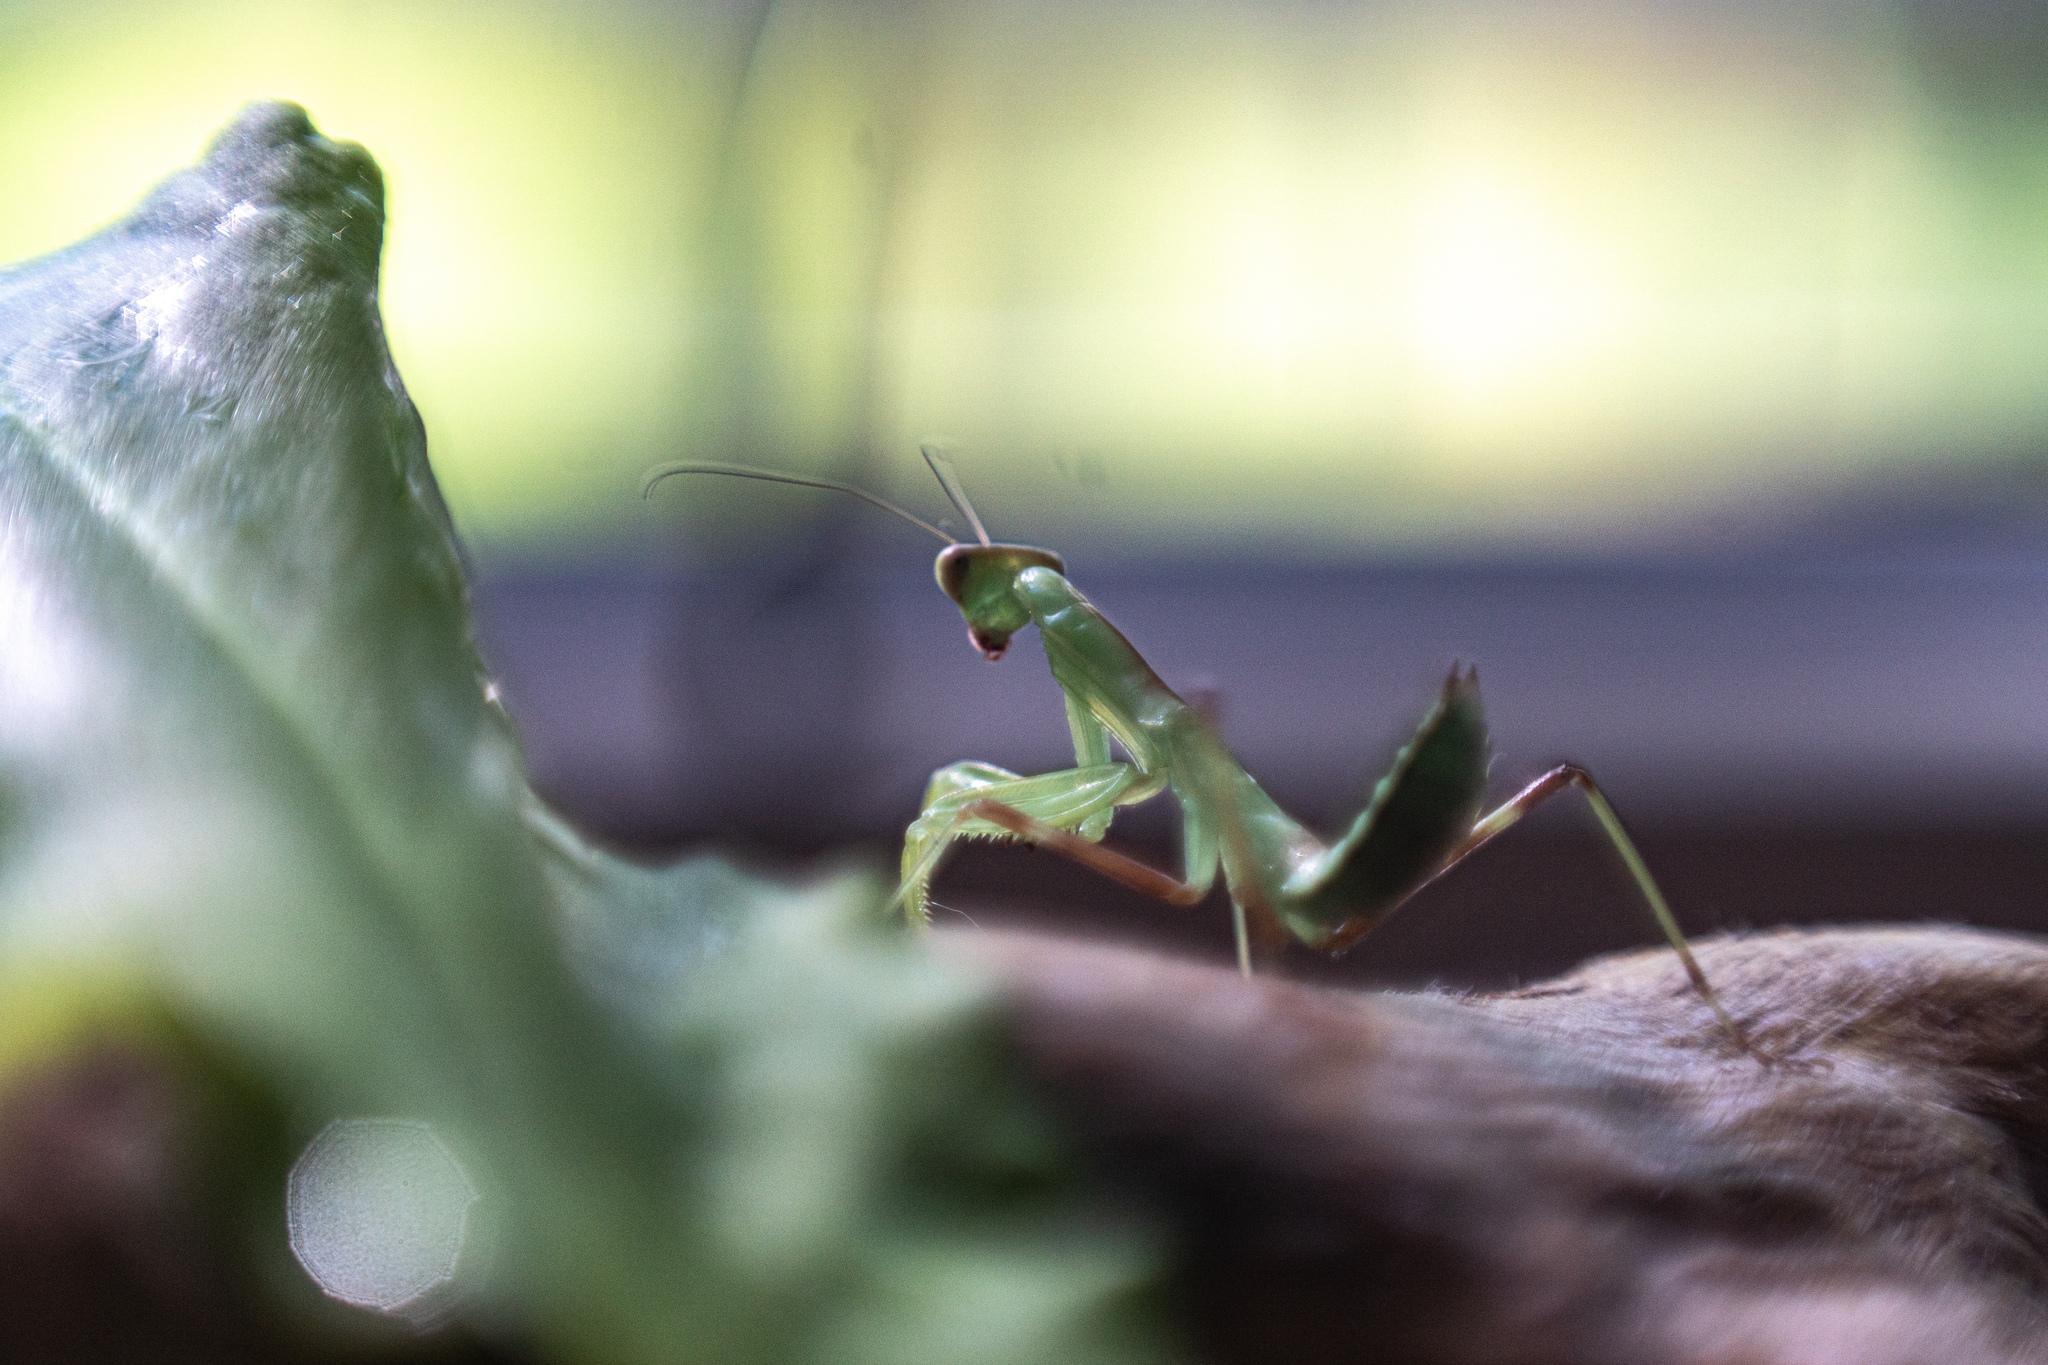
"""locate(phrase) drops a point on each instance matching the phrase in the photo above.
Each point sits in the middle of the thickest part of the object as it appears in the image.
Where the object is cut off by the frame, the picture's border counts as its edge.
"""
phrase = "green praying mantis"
(1423, 818)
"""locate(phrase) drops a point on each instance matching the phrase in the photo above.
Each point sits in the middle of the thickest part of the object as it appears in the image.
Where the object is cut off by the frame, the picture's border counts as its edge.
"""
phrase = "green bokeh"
(1404, 276)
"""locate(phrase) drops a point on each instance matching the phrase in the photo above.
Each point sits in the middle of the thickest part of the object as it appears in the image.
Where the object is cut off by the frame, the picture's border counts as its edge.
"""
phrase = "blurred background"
(1684, 366)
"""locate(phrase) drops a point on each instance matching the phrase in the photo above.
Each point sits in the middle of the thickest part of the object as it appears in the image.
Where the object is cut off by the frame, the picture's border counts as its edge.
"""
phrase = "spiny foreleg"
(1072, 799)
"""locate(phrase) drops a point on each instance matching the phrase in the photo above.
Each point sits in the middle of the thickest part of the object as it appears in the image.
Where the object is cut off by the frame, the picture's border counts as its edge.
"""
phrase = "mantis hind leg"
(1562, 778)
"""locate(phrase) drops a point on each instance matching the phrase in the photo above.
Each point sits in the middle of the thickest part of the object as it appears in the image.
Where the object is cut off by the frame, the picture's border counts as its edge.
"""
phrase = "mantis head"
(981, 579)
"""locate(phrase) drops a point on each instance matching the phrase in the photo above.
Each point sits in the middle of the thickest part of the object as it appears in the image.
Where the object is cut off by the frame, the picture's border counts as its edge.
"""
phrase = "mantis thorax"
(980, 578)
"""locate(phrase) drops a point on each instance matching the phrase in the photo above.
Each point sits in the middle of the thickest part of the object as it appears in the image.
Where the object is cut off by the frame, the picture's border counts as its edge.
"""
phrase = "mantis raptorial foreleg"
(968, 799)
(1077, 799)
(1120, 867)
(1076, 804)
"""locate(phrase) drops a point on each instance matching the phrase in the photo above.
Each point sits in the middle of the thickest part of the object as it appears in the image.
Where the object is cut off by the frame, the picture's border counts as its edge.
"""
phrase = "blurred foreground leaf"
(257, 809)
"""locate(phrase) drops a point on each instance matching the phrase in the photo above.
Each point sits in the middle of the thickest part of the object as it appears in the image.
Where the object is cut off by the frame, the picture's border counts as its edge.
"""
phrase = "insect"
(1423, 818)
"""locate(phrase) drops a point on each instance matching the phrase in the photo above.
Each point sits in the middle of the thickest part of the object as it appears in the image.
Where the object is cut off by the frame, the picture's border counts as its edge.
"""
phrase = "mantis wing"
(1419, 813)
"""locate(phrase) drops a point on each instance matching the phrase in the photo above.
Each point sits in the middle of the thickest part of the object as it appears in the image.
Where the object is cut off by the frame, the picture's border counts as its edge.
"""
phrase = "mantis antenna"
(745, 471)
(942, 468)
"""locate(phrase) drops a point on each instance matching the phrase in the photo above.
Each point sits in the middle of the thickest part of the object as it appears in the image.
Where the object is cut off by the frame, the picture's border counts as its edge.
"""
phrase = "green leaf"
(252, 780)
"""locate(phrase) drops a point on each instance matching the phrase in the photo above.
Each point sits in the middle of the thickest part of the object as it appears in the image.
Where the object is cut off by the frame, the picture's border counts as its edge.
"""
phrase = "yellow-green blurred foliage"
(1363, 275)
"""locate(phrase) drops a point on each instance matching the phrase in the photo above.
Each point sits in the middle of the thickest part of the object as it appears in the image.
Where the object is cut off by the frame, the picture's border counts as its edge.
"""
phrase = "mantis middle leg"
(1563, 778)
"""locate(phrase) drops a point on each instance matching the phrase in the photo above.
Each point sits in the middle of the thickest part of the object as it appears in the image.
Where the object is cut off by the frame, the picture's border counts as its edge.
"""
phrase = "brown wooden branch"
(1584, 1171)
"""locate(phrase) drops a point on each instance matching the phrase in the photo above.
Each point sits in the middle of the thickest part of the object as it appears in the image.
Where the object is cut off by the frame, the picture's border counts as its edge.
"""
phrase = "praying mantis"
(1423, 818)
